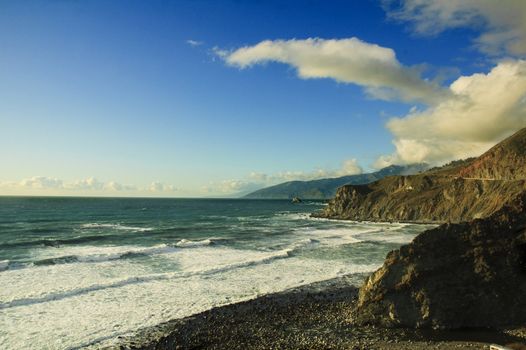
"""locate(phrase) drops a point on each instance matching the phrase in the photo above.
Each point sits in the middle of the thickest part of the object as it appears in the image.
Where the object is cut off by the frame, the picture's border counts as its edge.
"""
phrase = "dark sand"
(309, 317)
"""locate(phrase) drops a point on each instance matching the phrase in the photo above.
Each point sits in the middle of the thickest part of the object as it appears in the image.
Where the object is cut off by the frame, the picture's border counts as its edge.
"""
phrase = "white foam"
(97, 253)
(188, 243)
(118, 305)
(103, 296)
(293, 216)
(96, 225)
(4, 264)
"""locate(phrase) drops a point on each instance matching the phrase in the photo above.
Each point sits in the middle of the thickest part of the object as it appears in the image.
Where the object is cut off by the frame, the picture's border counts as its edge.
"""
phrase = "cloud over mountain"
(482, 110)
(257, 180)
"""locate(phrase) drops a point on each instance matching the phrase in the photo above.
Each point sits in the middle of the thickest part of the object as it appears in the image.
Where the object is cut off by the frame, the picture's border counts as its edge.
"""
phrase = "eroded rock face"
(457, 275)
(505, 161)
(422, 198)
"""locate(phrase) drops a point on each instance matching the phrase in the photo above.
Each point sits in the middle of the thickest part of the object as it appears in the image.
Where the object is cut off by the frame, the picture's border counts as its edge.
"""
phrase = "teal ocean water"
(82, 271)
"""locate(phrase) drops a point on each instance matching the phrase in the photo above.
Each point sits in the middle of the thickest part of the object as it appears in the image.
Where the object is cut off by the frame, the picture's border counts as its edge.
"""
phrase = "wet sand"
(315, 316)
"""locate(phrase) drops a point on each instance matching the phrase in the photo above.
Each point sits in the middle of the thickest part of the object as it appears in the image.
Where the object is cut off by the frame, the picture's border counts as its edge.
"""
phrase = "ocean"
(78, 272)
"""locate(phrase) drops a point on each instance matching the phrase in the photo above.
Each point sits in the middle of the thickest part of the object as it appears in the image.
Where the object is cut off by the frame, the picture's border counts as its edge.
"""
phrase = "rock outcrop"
(460, 191)
(457, 275)
(422, 198)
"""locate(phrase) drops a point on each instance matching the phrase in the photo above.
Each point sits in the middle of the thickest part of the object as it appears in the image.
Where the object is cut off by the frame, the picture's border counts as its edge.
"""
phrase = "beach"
(315, 316)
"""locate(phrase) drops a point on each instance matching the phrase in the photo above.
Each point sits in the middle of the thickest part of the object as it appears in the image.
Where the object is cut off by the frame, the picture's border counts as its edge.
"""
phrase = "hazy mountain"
(326, 188)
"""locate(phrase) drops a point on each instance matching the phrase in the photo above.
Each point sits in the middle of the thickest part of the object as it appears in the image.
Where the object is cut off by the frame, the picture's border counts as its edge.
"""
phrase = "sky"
(205, 98)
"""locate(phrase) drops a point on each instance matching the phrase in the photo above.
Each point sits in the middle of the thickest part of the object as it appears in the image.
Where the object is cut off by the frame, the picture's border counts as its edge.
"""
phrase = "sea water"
(78, 272)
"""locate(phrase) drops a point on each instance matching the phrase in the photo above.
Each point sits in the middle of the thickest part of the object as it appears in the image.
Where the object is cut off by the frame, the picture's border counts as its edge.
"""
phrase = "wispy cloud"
(352, 60)
(194, 43)
(482, 109)
(503, 22)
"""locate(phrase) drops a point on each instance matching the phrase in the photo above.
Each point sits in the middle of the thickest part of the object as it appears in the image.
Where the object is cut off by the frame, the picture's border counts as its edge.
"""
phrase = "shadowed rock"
(458, 275)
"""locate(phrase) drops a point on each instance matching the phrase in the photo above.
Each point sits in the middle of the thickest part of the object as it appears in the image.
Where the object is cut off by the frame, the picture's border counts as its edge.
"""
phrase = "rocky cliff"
(458, 192)
(457, 275)
(422, 198)
(505, 161)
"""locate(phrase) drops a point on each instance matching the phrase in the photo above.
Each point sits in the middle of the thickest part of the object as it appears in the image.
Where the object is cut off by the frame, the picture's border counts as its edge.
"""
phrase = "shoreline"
(414, 222)
(313, 316)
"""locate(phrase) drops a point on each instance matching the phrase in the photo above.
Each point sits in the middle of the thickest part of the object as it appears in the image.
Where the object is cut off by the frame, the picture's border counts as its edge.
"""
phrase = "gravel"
(315, 316)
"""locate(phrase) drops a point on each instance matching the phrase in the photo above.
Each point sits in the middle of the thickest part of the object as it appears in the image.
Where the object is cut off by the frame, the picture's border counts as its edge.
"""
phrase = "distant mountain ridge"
(326, 188)
(460, 191)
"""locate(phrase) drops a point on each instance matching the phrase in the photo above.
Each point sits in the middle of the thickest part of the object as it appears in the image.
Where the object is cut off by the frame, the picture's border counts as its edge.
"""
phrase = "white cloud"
(118, 187)
(90, 185)
(41, 182)
(345, 60)
(482, 110)
(349, 167)
(231, 187)
(161, 187)
(194, 43)
(256, 180)
(503, 22)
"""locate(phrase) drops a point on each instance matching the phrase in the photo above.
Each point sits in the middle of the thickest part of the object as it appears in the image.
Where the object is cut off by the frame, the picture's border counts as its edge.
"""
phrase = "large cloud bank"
(482, 110)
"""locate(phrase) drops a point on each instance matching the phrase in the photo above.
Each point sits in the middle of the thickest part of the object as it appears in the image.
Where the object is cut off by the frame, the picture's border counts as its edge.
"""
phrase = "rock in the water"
(296, 200)
(457, 275)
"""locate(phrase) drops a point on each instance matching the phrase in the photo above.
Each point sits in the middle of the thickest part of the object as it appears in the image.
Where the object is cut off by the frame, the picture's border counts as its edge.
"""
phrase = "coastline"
(313, 316)
(320, 215)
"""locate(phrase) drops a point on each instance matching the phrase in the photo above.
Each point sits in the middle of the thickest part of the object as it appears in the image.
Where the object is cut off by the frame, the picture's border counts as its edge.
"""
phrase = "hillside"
(326, 188)
(505, 161)
(460, 191)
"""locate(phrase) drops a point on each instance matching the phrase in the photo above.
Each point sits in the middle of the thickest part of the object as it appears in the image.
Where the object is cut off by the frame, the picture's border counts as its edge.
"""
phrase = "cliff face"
(457, 275)
(459, 192)
(505, 161)
(422, 198)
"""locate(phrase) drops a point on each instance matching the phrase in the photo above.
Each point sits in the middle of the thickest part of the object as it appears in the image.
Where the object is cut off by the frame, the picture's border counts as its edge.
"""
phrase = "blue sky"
(159, 98)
